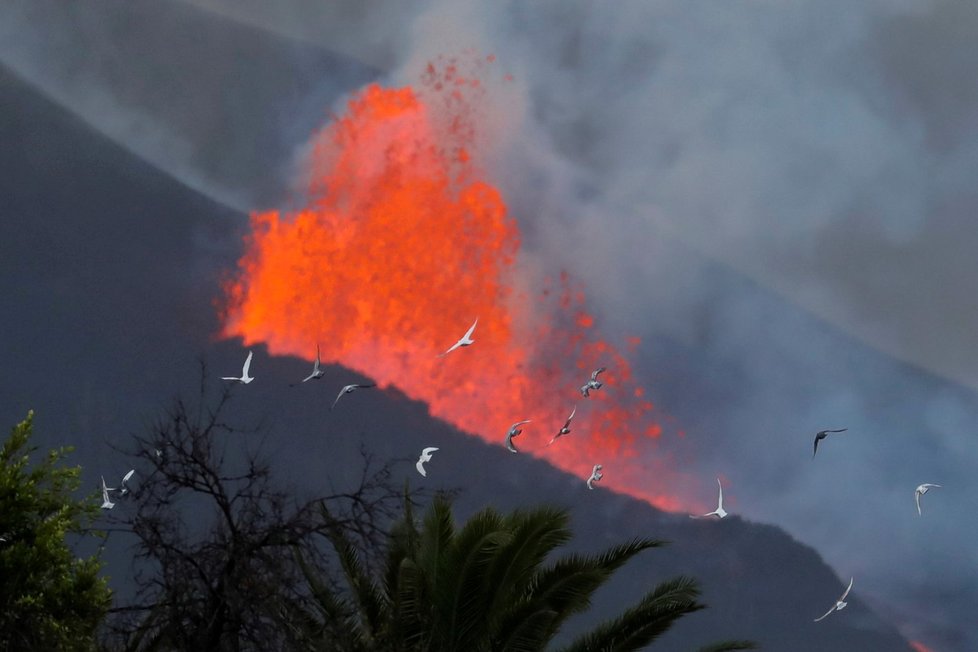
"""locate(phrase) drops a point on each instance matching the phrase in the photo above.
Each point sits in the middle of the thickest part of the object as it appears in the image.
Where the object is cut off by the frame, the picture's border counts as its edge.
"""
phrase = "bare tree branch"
(216, 538)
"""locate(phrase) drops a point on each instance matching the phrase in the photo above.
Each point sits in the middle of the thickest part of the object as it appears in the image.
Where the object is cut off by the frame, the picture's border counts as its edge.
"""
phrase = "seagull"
(719, 512)
(350, 388)
(822, 434)
(158, 453)
(123, 489)
(106, 503)
(425, 457)
(245, 378)
(566, 429)
(514, 430)
(465, 341)
(921, 490)
(594, 383)
(840, 604)
(595, 476)
(316, 374)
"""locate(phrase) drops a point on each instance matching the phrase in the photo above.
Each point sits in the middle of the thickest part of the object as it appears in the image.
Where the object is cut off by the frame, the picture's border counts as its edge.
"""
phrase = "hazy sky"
(822, 150)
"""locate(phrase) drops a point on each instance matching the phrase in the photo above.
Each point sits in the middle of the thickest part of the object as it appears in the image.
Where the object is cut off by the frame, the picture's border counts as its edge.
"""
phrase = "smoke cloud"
(201, 97)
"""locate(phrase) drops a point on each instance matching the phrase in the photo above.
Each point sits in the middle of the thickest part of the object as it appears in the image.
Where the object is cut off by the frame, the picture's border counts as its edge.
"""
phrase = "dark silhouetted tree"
(217, 537)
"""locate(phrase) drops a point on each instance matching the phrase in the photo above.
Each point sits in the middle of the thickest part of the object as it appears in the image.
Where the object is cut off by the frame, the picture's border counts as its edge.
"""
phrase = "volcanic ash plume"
(400, 246)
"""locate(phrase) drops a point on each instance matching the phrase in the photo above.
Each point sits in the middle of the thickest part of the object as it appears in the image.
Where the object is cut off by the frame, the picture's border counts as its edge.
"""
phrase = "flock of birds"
(720, 512)
(592, 384)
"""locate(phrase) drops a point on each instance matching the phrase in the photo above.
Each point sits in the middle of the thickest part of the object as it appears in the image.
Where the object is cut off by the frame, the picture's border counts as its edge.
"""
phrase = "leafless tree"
(219, 541)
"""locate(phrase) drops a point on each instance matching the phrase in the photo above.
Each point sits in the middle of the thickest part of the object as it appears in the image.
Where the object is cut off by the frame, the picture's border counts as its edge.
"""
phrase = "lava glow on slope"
(400, 246)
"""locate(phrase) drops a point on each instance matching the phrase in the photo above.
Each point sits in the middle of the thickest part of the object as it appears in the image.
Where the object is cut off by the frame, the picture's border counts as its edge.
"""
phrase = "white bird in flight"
(106, 503)
(317, 373)
(566, 429)
(245, 378)
(594, 383)
(596, 475)
(425, 457)
(465, 341)
(921, 490)
(348, 389)
(123, 488)
(719, 512)
(840, 604)
(514, 431)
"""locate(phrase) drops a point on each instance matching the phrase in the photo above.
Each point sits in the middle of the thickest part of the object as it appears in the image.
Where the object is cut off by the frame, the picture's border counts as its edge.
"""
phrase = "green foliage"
(50, 600)
(484, 587)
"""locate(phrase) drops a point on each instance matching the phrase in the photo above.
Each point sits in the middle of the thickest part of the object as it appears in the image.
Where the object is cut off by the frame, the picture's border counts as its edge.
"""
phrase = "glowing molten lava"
(399, 248)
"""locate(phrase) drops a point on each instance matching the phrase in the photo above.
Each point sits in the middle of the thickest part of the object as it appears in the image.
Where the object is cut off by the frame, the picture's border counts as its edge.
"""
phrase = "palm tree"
(483, 588)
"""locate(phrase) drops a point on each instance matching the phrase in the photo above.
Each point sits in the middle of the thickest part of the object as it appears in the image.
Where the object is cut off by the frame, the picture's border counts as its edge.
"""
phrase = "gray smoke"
(219, 105)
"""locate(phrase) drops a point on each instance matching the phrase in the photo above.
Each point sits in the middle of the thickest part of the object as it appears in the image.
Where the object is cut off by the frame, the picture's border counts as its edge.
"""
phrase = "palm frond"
(529, 625)
(435, 540)
(412, 618)
(567, 585)
(362, 588)
(642, 624)
(612, 559)
(337, 614)
(308, 627)
(535, 534)
(485, 587)
(465, 590)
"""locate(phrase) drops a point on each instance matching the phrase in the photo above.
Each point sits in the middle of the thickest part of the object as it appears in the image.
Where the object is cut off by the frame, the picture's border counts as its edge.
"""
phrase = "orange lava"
(401, 244)
(919, 647)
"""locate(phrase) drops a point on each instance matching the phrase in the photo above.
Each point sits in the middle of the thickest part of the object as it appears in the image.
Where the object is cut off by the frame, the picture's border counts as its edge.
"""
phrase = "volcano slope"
(108, 269)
